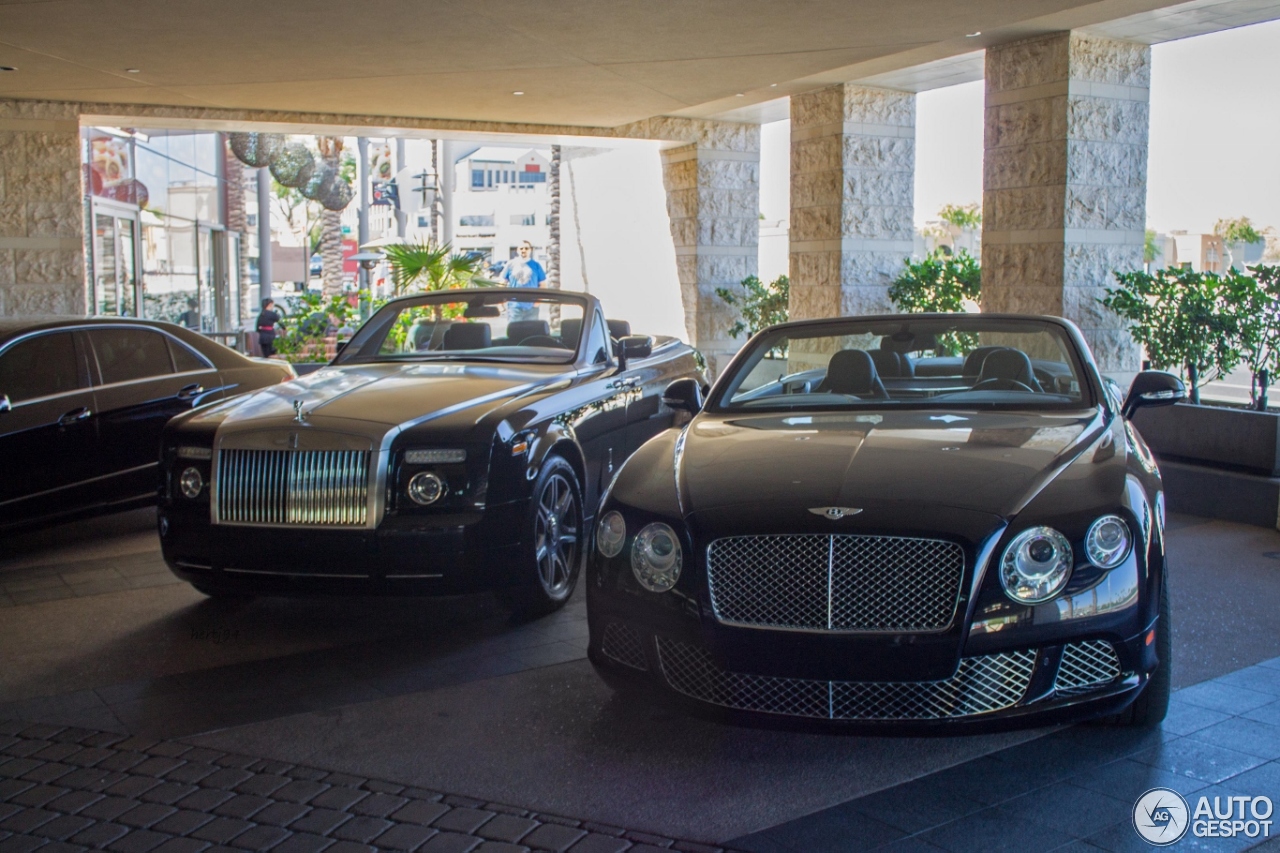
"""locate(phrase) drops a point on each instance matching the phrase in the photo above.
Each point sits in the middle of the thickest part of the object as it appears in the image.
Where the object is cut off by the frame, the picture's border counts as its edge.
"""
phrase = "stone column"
(713, 199)
(1064, 181)
(42, 245)
(852, 187)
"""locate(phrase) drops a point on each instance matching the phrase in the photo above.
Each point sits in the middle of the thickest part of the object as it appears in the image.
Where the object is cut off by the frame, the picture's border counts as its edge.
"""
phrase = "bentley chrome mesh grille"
(980, 685)
(625, 645)
(1089, 664)
(285, 487)
(835, 582)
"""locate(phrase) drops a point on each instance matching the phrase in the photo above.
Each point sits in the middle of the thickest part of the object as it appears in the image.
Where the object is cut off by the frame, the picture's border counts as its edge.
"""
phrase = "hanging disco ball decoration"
(323, 175)
(293, 166)
(256, 149)
(335, 195)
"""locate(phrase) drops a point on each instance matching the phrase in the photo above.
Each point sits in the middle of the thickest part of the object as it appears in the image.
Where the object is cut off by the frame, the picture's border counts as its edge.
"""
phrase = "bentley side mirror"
(5, 405)
(1153, 388)
(684, 395)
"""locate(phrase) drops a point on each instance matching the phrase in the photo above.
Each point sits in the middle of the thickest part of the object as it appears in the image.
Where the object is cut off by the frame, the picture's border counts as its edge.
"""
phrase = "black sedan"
(83, 402)
(459, 442)
(912, 520)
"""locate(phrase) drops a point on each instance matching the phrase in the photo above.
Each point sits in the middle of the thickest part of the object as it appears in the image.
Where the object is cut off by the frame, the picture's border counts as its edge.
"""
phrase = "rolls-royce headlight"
(656, 557)
(1108, 541)
(191, 483)
(1036, 565)
(611, 534)
(425, 488)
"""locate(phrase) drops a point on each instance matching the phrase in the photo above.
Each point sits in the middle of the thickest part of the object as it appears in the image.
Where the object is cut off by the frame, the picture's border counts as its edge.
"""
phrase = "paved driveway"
(448, 695)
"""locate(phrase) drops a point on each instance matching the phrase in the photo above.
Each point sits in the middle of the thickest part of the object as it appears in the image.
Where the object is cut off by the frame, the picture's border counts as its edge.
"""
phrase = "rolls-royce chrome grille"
(835, 582)
(321, 488)
(980, 685)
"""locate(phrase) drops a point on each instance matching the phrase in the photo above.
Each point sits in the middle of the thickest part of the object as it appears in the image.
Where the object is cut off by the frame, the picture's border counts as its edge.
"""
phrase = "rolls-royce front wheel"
(554, 549)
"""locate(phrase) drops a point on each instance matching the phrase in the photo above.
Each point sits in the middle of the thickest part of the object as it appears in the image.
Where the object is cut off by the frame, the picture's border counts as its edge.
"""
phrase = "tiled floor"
(448, 695)
(1072, 790)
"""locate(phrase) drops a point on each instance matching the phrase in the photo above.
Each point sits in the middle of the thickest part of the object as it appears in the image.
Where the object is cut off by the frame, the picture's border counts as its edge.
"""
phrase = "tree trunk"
(1263, 381)
(330, 223)
(1193, 377)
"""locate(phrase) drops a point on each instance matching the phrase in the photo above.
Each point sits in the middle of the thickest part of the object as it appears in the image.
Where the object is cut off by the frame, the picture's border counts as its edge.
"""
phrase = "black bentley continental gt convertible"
(912, 521)
(460, 441)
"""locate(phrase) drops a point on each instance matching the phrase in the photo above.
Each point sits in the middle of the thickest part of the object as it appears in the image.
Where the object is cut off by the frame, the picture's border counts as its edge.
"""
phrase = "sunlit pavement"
(443, 718)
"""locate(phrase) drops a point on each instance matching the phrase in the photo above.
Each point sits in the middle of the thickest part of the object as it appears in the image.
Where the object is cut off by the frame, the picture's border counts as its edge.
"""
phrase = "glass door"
(115, 247)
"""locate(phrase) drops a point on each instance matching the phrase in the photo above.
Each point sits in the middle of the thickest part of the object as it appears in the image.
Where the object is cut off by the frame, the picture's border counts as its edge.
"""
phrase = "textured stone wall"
(42, 246)
(1065, 173)
(713, 200)
(852, 185)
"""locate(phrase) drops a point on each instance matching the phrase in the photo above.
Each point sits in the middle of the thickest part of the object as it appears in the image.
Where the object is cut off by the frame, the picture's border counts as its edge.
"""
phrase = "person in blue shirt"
(523, 271)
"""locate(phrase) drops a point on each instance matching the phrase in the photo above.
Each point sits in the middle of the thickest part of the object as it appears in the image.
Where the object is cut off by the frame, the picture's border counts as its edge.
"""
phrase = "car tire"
(1152, 704)
(555, 543)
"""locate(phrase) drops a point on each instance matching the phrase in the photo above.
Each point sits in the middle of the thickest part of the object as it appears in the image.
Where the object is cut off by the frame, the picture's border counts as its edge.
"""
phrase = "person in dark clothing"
(191, 317)
(266, 325)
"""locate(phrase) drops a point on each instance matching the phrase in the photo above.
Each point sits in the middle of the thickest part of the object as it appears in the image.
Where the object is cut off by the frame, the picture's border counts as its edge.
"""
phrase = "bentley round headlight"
(425, 488)
(1036, 565)
(191, 483)
(611, 533)
(656, 557)
(1108, 541)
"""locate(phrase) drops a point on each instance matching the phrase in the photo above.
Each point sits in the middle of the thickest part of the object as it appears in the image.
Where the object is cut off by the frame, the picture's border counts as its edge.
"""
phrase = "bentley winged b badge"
(835, 513)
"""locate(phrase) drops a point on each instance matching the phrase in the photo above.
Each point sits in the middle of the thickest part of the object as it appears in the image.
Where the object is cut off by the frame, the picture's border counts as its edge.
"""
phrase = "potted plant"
(759, 306)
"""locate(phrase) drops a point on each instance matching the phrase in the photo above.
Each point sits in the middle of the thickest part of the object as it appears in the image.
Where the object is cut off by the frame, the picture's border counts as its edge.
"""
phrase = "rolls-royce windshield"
(540, 327)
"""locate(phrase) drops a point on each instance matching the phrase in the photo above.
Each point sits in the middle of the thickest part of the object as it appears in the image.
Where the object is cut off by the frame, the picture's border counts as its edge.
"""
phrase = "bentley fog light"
(1107, 542)
(191, 483)
(425, 488)
(611, 533)
(1036, 565)
(656, 557)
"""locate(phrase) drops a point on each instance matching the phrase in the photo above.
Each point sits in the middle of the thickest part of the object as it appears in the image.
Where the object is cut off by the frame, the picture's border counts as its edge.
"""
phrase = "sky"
(1214, 146)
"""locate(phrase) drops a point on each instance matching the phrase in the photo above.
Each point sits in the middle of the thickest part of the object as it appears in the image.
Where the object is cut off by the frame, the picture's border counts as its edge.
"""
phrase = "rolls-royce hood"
(388, 394)
(987, 462)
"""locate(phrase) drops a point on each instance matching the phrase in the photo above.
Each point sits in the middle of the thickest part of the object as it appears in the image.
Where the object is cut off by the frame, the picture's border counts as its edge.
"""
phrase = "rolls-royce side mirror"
(5, 405)
(684, 395)
(1153, 388)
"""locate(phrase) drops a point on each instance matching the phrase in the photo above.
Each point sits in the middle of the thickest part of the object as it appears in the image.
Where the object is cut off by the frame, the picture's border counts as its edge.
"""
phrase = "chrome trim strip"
(187, 564)
(292, 574)
(402, 577)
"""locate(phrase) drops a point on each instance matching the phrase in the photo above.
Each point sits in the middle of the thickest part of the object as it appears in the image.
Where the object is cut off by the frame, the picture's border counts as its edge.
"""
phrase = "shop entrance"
(115, 261)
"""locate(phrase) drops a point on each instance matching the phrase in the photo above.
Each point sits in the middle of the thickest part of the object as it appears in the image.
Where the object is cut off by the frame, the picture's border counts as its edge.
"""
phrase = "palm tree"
(331, 223)
(429, 267)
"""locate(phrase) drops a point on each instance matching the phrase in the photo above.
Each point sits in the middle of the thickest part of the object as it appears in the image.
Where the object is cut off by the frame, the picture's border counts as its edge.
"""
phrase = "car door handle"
(625, 382)
(190, 392)
(75, 415)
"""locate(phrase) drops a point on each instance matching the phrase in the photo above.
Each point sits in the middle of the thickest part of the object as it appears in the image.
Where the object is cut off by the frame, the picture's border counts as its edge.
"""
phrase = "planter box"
(1217, 462)
(1237, 439)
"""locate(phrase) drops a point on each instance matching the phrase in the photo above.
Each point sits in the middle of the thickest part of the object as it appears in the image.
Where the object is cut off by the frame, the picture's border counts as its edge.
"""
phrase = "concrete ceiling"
(591, 63)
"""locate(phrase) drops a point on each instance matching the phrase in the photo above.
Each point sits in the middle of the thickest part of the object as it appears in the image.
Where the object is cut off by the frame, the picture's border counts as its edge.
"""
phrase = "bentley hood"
(985, 462)
(387, 394)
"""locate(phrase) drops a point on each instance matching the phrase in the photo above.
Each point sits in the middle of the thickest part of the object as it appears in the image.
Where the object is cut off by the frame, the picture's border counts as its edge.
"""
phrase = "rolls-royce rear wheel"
(554, 549)
(1152, 704)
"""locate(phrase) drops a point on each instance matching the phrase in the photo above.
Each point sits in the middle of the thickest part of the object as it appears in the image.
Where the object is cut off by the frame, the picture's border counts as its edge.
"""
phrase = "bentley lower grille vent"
(1087, 665)
(981, 685)
(320, 488)
(625, 645)
(840, 582)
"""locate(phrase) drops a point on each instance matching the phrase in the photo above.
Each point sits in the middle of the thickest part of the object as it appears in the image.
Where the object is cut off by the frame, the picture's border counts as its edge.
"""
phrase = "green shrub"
(761, 305)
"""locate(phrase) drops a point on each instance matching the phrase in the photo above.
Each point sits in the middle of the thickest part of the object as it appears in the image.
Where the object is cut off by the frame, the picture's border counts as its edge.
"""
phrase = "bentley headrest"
(467, 336)
(518, 330)
(852, 371)
(618, 329)
(974, 360)
(1008, 364)
(887, 362)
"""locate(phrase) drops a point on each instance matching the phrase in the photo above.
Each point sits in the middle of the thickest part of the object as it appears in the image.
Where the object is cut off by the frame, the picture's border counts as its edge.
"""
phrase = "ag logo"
(1161, 816)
